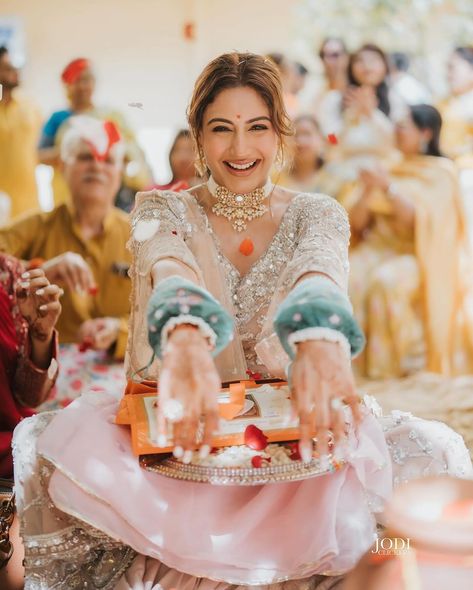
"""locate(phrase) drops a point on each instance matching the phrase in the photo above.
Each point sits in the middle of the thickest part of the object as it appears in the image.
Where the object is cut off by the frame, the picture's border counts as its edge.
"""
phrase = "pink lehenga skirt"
(190, 535)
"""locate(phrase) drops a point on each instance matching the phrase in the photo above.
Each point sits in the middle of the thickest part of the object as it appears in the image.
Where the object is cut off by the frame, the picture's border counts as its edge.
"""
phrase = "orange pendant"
(246, 247)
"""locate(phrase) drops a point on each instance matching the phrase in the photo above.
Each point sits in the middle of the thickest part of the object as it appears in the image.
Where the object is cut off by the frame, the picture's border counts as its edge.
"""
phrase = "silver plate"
(237, 476)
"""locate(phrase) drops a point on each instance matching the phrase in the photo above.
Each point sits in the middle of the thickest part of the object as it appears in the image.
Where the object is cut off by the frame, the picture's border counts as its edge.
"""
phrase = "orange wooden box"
(138, 410)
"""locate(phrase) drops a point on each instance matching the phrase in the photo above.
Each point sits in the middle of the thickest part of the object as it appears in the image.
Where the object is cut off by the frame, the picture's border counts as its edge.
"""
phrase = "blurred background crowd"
(375, 126)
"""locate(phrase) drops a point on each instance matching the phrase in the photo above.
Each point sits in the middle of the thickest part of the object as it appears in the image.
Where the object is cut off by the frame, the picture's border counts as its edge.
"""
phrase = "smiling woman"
(212, 310)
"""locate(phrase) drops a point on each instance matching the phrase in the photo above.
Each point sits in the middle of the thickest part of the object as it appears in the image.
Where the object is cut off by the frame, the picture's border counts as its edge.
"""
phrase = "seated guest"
(457, 109)
(404, 83)
(182, 163)
(79, 83)
(360, 120)
(304, 170)
(82, 244)
(29, 309)
(20, 123)
(407, 287)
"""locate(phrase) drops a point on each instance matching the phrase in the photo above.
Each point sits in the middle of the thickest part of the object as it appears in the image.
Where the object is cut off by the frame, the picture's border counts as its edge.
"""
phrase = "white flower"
(145, 229)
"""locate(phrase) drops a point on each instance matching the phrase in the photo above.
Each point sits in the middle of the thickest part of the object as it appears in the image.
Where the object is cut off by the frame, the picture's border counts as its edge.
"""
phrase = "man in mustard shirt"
(82, 244)
(20, 125)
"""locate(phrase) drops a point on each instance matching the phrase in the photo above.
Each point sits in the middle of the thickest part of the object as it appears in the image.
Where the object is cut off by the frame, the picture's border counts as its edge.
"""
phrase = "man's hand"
(72, 271)
(99, 333)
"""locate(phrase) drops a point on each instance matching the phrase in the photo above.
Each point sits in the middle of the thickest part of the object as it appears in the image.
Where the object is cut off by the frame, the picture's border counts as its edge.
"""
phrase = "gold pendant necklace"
(239, 208)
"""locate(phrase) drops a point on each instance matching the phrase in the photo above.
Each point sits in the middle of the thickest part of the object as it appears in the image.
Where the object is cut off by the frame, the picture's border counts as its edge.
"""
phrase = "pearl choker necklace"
(239, 208)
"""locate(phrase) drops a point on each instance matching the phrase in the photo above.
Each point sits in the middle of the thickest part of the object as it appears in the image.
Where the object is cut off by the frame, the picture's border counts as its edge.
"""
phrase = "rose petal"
(295, 453)
(254, 376)
(257, 461)
(332, 139)
(255, 438)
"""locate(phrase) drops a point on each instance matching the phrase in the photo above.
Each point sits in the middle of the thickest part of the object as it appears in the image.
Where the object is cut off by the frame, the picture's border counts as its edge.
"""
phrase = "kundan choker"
(239, 208)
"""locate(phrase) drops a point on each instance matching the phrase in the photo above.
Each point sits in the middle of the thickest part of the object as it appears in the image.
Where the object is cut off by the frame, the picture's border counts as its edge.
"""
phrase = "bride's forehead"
(238, 103)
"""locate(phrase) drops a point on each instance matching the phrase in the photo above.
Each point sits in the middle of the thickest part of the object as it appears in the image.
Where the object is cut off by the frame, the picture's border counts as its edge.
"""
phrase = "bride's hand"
(188, 387)
(322, 380)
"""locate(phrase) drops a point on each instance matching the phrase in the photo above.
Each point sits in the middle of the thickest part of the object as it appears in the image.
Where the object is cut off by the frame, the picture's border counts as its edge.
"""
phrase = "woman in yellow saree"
(457, 109)
(407, 286)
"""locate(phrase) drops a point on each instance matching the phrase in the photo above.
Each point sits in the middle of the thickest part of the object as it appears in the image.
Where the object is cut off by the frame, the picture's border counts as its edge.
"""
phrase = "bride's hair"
(236, 70)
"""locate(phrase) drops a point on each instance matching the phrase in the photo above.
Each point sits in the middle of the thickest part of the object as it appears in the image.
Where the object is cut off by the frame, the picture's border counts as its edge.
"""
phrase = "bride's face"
(238, 139)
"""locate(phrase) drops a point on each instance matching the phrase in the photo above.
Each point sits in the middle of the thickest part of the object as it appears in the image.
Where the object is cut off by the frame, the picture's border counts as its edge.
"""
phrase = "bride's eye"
(220, 129)
(259, 127)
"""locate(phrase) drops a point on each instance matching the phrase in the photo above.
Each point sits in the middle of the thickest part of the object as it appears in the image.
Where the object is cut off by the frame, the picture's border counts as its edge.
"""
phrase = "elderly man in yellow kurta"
(82, 244)
(20, 124)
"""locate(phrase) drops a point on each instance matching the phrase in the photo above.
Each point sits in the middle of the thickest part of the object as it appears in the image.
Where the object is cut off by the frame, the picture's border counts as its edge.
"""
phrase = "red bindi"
(238, 116)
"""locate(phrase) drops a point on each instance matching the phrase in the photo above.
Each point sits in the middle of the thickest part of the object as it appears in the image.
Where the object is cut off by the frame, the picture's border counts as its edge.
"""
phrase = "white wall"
(140, 53)
(138, 46)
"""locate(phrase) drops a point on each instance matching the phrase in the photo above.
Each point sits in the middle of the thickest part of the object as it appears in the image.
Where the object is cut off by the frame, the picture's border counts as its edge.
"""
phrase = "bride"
(235, 277)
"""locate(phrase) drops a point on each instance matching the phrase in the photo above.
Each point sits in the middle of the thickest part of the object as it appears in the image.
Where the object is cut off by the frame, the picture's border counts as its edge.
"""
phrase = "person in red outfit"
(29, 308)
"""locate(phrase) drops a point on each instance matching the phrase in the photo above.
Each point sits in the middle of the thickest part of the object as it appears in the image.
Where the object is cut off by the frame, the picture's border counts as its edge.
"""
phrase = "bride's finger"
(353, 400)
(304, 386)
(323, 417)
(164, 394)
(187, 433)
(210, 427)
(338, 421)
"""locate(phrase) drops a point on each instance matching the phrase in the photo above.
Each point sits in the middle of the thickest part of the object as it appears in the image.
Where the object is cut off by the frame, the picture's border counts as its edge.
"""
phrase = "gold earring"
(279, 162)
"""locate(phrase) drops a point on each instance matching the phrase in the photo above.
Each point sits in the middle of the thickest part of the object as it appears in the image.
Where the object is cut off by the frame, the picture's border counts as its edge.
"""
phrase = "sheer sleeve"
(323, 235)
(160, 229)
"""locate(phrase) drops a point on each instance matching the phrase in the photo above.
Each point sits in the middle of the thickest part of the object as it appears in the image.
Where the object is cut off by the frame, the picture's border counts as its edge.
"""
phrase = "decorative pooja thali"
(256, 442)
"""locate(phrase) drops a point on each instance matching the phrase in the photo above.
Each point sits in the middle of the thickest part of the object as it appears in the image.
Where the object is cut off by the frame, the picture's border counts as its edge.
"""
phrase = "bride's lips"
(241, 168)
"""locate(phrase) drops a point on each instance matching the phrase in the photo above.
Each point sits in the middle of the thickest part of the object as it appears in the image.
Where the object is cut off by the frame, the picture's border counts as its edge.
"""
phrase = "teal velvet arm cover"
(317, 303)
(178, 301)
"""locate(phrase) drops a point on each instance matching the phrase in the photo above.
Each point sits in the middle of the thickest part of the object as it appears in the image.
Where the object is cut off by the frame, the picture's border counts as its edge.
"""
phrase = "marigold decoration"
(255, 438)
(189, 31)
(332, 139)
(247, 247)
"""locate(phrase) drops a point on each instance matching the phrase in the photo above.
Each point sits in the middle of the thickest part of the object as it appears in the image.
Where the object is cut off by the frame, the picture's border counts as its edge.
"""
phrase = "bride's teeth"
(241, 166)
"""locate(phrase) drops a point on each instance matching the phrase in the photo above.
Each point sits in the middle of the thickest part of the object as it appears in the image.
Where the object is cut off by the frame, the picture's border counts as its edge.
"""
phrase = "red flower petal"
(255, 438)
(254, 376)
(93, 290)
(85, 345)
(295, 453)
(246, 247)
(257, 461)
(332, 139)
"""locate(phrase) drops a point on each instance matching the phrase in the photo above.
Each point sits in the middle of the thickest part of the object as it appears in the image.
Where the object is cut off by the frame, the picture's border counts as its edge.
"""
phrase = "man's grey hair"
(83, 128)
